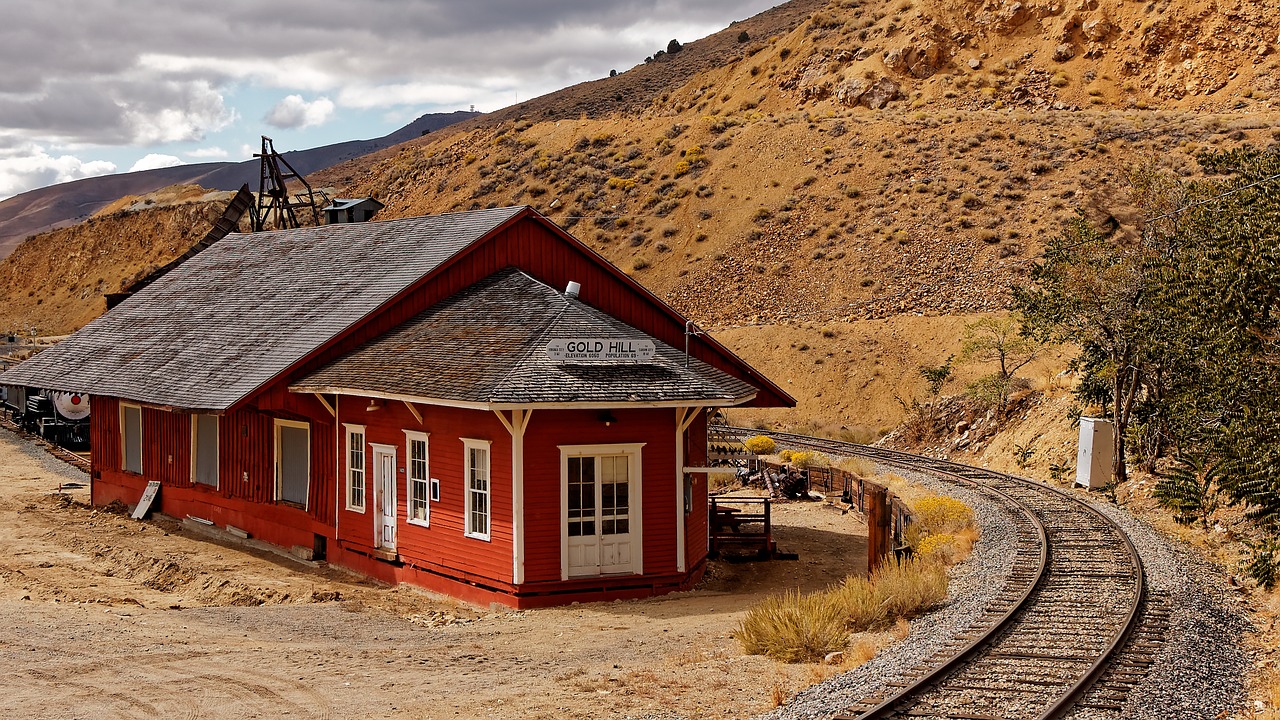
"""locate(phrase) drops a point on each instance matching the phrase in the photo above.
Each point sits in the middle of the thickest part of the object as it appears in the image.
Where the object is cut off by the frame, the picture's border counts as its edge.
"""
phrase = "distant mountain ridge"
(68, 203)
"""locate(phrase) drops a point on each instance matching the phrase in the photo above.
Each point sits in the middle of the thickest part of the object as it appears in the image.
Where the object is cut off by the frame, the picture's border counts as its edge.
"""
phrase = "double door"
(599, 514)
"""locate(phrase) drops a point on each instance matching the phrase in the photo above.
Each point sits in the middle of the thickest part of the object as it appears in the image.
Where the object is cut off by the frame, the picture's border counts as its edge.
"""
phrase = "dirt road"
(108, 617)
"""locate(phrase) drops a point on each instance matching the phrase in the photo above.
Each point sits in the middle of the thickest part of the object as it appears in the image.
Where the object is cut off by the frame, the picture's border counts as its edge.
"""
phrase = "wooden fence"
(888, 517)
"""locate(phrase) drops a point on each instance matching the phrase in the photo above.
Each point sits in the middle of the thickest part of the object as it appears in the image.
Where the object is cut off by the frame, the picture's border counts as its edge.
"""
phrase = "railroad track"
(75, 460)
(1071, 630)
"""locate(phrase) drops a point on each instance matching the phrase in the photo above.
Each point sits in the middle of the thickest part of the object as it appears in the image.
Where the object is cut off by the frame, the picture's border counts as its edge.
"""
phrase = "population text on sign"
(600, 349)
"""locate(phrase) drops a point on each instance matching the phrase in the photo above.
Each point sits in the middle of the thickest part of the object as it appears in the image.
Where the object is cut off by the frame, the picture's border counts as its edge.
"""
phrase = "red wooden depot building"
(476, 403)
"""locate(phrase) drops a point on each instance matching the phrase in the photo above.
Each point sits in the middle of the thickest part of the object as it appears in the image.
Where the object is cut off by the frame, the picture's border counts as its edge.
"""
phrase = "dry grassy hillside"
(882, 160)
(836, 190)
(55, 281)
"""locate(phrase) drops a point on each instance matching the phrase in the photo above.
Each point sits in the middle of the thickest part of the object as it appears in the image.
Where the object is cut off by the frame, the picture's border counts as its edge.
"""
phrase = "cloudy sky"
(101, 86)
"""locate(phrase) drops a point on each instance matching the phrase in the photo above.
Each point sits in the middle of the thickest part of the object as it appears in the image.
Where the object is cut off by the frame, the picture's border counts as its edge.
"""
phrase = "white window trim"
(217, 455)
(346, 463)
(279, 423)
(433, 485)
(124, 450)
(468, 444)
(635, 467)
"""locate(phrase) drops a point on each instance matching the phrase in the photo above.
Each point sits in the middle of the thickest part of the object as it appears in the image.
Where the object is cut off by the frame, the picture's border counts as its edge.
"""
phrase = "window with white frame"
(355, 467)
(419, 478)
(477, 479)
(131, 438)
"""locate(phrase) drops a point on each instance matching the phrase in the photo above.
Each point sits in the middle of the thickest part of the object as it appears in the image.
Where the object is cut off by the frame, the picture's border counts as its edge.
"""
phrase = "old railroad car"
(475, 402)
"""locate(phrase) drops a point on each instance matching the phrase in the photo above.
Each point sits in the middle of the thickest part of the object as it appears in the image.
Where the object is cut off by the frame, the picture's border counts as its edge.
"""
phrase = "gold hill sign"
(600, 349)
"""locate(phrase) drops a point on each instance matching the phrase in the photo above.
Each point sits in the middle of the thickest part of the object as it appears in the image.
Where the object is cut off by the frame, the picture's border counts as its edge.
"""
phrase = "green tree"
(1092, 291)
(1180, 329)
(1219, 291)
(1190, 488)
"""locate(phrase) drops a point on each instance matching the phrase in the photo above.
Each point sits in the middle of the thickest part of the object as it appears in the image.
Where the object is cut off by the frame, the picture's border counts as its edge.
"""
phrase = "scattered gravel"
(1200, 672)
(41, 456)
(973, 584)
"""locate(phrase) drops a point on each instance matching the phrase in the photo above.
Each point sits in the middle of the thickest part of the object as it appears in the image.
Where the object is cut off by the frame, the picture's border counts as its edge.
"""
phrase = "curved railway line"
(1070, 632)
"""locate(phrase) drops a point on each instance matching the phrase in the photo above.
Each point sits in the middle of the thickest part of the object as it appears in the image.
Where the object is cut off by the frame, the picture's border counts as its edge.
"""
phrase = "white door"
(384, 487)
(599, 507)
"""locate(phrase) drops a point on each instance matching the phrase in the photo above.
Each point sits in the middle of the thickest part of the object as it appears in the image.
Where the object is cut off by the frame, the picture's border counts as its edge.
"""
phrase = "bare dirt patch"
(112, 617)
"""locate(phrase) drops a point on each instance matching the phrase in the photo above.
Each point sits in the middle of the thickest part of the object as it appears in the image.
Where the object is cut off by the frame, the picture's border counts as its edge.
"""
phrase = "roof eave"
(554, 405)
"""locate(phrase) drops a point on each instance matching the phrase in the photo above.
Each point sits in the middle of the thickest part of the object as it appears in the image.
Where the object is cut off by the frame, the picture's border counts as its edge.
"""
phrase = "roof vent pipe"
(571, 290)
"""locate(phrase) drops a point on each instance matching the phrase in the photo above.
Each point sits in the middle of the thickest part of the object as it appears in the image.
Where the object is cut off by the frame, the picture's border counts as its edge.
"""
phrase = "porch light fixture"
(607, 418)
(374, 405)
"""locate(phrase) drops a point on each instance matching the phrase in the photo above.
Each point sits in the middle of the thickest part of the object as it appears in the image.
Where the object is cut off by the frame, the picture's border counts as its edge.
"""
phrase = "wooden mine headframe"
(274, 201)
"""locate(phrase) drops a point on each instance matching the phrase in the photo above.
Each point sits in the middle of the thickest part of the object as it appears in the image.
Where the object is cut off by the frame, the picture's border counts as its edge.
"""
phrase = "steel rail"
(951, 470)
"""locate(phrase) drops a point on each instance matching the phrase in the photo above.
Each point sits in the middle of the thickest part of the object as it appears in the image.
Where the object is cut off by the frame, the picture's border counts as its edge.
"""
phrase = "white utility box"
(1096, 453)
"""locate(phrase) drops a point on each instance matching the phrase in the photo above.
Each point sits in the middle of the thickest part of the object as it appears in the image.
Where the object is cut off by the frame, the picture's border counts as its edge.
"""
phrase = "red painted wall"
(548, 429)
(695, 455)
(442, 546)
(245, 496)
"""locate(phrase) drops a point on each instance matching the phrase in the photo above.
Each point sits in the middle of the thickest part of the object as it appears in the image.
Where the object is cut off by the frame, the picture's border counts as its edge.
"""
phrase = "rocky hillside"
(834, 188)
(55, 281)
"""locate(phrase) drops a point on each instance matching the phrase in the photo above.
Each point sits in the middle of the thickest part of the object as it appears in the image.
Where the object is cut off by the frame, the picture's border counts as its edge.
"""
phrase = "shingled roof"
(486, 345)
(235, 316)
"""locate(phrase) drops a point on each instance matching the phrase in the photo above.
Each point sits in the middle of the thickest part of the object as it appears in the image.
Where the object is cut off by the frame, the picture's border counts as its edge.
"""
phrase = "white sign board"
(148, 497)
(600, 349)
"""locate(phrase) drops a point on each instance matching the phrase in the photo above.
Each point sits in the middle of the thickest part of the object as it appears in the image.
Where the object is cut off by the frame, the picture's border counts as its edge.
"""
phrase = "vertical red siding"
(443, 545)
(104, 435)
(166, 447)
(246, 462)
(549, 429)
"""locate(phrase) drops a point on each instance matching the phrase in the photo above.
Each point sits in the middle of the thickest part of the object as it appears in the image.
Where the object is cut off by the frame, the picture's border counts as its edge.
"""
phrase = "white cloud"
(153, 161)
(207, 153)
(171, 72)
(183, 112)
(32, 167)
(294, 112)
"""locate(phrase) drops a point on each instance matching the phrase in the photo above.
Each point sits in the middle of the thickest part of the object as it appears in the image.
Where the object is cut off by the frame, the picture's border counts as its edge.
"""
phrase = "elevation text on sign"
(600, 349)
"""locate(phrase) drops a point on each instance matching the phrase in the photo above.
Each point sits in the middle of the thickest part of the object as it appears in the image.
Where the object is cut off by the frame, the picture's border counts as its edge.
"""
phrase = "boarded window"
(131, 435)
(206, 449)
(293, 456)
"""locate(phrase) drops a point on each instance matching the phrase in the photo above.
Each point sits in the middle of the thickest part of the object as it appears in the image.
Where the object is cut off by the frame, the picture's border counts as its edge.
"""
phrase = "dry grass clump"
(807, 459)
(805, 628)
(908, 589)
(862, 467)
(941, 514)
(760, 445)
(794, 628)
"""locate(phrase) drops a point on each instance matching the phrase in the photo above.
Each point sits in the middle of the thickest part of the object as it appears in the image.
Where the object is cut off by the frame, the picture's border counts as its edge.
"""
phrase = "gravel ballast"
(1199, 672)
(973, 584)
